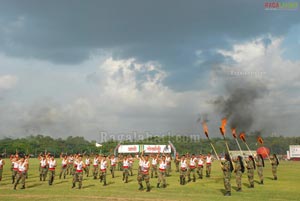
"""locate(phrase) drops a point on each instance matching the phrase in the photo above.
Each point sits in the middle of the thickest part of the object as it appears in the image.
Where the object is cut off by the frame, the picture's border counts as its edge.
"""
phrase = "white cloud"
(7, 82)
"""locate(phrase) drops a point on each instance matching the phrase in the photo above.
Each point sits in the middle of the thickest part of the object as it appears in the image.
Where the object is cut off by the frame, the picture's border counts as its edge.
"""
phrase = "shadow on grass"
(270, 178)
(61, 182)
(34, 185)
(235, 188)
(246, 184)
(88, 186)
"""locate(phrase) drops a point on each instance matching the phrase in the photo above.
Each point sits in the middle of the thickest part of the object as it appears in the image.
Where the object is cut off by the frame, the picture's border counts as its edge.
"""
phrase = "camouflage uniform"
(144, 176)
(275, 163)
(227, 175)
(1, 167)
(192, 169)
(43, 170)
(250, 172)
(260, 168)
(238, 175)
(183, 170)
(77, 177)
(154, 168)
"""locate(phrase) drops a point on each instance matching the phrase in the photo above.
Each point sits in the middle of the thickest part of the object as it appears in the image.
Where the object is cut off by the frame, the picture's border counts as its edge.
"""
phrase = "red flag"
(233, 132)
(223, 125)
(243, 136)
(260, 140)
(205, 129)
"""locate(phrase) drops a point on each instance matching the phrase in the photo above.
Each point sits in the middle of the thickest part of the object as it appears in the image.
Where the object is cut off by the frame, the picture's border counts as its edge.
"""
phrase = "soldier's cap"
(182, 155)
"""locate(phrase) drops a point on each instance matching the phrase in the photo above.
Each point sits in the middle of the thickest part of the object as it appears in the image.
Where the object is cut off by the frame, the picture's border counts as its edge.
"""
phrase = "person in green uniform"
(144, 176)
(260, 164)
(274, 163)
(250, 170)
(227, 168)
(239, 169)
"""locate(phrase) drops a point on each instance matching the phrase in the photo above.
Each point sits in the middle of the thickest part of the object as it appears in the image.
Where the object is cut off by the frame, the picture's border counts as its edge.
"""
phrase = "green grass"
(286, 188)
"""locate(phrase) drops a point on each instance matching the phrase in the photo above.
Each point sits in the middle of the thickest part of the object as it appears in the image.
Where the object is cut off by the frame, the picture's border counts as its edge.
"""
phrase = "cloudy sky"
(83, 67)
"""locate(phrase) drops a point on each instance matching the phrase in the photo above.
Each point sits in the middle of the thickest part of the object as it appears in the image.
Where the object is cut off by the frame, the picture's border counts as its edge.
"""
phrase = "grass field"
(285, 188)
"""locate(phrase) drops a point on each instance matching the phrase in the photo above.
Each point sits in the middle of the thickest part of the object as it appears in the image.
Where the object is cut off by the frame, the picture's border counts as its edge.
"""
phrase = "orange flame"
(205, 129)
(223, 125)
(260, 140)
(233, 132)
(243, 136)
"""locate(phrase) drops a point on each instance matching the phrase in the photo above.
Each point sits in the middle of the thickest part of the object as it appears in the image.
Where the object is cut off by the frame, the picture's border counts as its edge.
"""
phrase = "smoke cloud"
(239, 106)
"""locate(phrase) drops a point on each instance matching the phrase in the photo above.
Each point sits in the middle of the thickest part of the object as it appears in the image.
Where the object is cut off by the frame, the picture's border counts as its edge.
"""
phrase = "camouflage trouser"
(260, 172)
(77, 177)
(251, 176)
(168, 169)
(1, 171)
(70, 168)
(102, 176)
(192, 171)
(87, 170)
(227, 177)
(274, 171)
(43, 173)
(238, 178)
(200, 171)
(95, 171)
(154, 171)
(130, 169)
(120, 167)
(63, 171)
(144, 177)
(161, 177)
(125, 174)
(208, 170)
(112, 170)
(20, 176)
(14, 175)
(182, 176)
(177, 166)
(51, 176)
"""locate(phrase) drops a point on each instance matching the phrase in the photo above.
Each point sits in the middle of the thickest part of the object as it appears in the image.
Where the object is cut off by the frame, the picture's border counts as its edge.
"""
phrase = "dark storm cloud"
(167, 31)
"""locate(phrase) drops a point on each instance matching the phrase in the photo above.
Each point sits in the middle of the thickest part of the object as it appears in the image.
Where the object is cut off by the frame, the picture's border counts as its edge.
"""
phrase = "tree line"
(35, 145)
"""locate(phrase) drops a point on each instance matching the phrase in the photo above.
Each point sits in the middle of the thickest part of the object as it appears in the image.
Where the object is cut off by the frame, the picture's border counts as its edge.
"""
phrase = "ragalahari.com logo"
(281, 5)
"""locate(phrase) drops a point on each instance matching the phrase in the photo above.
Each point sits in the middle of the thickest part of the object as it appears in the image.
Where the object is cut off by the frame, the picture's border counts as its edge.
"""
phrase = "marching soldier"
(2, 163)
(95, 166)
(183, 169)
(15, 166)
(64, 166)
(43, 168)
(162, 172)
(87, 165)
(70, 169)
(51, 170)
(168, 159)
(113, 163)
(103, 166)
(239, 169)
(120, 162)
(208, 164)
(192, 168)
(144, 176)
(251, 167)
(125, 169)
(260, 164)
(275, 163)
(154, 165)
(130, 168)
(21, 175)
(200, 166)
(78, 175)
(176, 162)
(227, 169)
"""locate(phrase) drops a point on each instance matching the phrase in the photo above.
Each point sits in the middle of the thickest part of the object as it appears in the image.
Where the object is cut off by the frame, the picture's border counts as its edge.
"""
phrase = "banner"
(157, 148)
(128, 149)
(294, 151)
